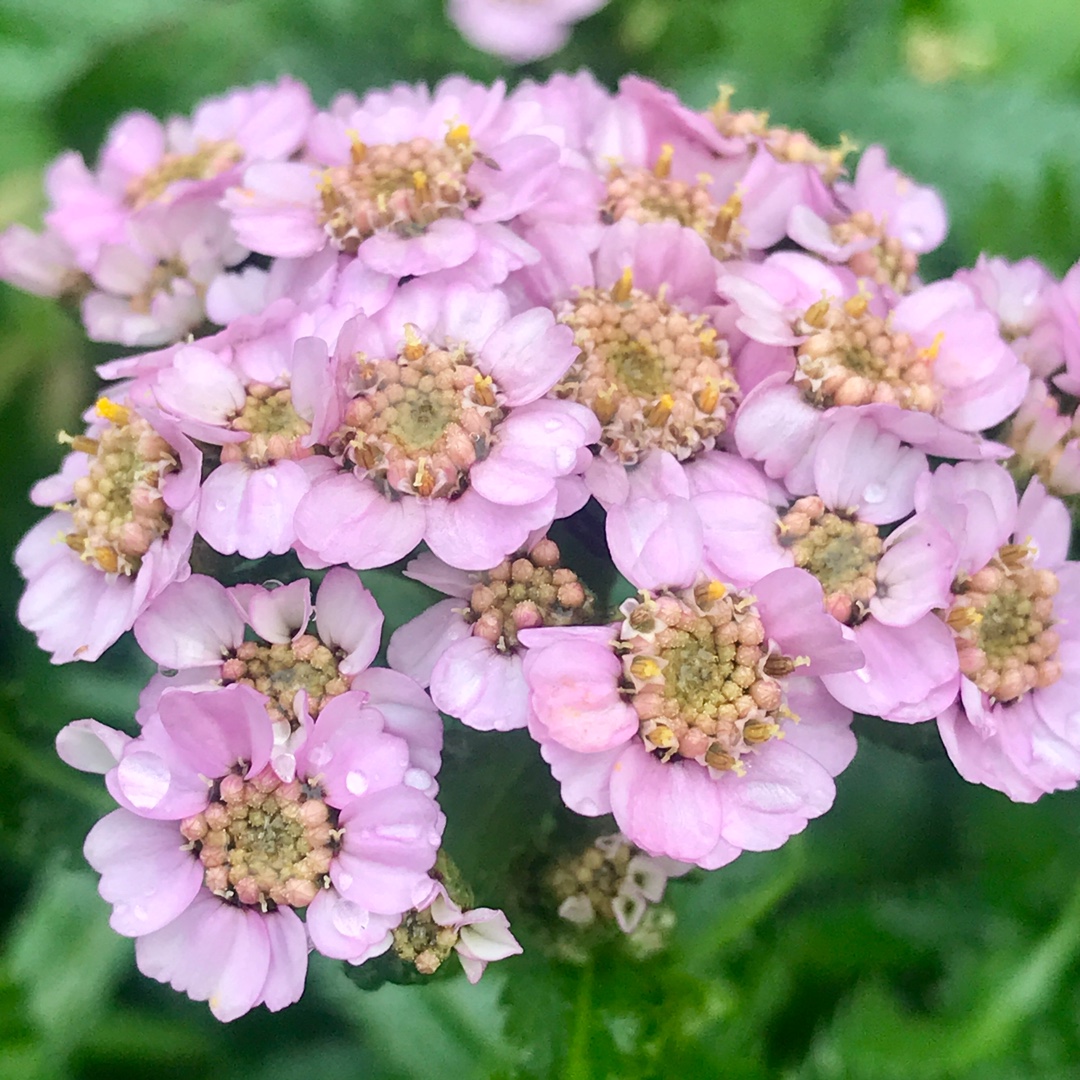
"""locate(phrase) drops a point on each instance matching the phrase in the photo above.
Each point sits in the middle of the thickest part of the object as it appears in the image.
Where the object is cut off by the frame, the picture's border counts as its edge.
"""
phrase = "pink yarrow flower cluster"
(549, 345)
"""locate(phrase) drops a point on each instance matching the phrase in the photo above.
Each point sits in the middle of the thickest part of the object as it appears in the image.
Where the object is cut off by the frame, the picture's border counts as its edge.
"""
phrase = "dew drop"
(356, 782)
(270, 479)
(417, 778)
(874, 493)
(589, 808)
(167, 672)
(552, 425)
(403, 832)
(272, 583)
(219, 505)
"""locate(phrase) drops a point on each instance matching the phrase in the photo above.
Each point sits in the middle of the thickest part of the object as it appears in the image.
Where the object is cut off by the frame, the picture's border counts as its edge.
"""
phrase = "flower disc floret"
(1002, 619)
(529, 590)
(852, 357)
(701, 676)
(419, 421)
(276, 432)
(282, 669)
(648, 195)
(656, 376)
(402, 186)
(119, 510)
(839, 550)
(209, 160)
(263, 842)
(886, 261)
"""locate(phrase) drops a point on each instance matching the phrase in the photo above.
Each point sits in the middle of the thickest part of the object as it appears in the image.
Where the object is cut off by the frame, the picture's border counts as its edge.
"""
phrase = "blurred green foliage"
(922, 929)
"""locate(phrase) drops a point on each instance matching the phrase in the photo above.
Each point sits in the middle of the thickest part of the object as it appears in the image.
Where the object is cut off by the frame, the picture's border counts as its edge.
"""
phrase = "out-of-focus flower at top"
(519, 30)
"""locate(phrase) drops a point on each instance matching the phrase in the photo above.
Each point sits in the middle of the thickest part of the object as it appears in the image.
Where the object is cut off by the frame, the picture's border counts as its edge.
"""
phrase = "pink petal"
(484, 689)
(672, 809)
(214, 952)
(417, 646)
(190, 624)
(145, 873)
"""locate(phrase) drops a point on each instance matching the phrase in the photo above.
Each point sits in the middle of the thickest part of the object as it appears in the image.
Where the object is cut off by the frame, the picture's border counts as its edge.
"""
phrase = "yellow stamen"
(420, 183)
(458, 136)
(111, 411)
(931, 351)
(424, 480)
(815, 313)
(623, 287)
(660, 412)
(357, 150)
(106, 559)
(644, 667)
(662, 168)
(414, 345)
(709, 592)
(963, 618)
(483, 390)
(757, 731)
(856, 306)
(708, 397)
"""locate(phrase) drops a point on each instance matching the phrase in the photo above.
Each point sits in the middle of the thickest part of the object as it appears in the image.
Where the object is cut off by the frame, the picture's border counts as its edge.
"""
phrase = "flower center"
(275, 428)
(264, 842)
(785, 144)
(161, 280)
(888, 262)
(118, 510)
(652, 195)
(418, 423)
(841, 552)
(1001, 619)
(401, 186)
(531, 590)
(655, 376)
(607, 875)
(210, 160)
(850, 357)
(280, 671)
(421, 941)
(701, 675)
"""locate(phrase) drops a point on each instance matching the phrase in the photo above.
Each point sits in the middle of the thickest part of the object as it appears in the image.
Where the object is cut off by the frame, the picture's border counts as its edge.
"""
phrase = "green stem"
(577, 1059)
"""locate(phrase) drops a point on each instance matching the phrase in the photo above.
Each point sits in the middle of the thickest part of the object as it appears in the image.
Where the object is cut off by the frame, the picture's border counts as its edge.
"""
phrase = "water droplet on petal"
(356, 783)
(874, 493)
(589, 808)
(219, 505)
(552, 425)
(272, 583)
(167, 672)
(343, 881)
(403, 832)
(271, 479)
(350, 919)
(417, 778)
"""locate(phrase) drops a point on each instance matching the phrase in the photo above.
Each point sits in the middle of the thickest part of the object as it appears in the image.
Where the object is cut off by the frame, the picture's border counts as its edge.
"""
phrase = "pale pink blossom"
(519, 30)
(444, 431)
(124, 509)
(1012, 615)
(212, 907)
(686, 780)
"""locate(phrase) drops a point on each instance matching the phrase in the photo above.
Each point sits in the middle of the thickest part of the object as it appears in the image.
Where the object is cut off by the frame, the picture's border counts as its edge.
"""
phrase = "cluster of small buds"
(700, 675)
(118, 510)
(656, 377)
(531, 590)
(850, 357)
(841, 552)
(611, 880)
(1003, 616)
(401, 186)
(281, 670)
(438, 324)
(264, 842)
(274, 429)
(418, 422)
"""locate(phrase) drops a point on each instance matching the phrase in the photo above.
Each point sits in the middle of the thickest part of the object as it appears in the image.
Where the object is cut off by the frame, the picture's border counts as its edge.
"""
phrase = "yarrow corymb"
(574, 415)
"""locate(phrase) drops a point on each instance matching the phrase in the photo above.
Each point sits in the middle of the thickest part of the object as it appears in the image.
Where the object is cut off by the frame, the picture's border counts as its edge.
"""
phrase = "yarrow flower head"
(1012, 619)
(467, 650)
(611, 880)
(212, 854)
(442, 424)
(124, 504)
(681, 718)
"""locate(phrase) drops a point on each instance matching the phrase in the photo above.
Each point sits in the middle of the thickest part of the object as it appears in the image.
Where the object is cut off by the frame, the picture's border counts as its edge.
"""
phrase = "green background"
(924, 928)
